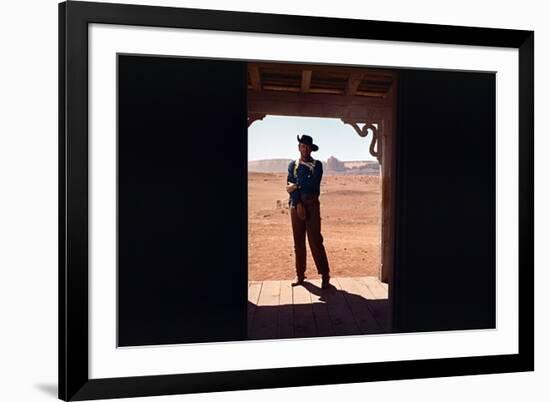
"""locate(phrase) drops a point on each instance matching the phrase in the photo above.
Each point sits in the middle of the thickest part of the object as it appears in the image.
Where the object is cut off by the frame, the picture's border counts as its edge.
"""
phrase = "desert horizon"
(331, 165)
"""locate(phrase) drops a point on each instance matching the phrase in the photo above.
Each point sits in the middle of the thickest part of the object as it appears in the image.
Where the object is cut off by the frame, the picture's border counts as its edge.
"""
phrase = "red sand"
(350, 225)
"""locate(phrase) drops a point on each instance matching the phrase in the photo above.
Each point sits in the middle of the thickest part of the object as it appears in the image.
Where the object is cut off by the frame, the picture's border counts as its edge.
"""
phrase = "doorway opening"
(349, 112)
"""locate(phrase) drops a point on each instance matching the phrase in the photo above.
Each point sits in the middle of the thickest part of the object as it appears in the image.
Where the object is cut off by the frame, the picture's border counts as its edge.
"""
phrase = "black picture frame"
(74, 381)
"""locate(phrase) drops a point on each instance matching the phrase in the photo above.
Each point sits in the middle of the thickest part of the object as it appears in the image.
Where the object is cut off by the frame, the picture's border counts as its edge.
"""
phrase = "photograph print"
(271, 200)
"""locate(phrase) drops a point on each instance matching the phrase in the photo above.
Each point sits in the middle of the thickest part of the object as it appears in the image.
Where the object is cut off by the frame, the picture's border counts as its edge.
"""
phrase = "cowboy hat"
(306, 139)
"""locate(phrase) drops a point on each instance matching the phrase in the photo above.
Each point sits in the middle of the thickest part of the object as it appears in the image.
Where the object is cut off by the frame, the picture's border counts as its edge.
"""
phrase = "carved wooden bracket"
(252, 117)
(363, 132)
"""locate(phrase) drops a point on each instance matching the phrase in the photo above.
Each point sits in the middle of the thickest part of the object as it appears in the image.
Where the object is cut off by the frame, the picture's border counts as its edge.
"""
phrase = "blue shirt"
(308, 182)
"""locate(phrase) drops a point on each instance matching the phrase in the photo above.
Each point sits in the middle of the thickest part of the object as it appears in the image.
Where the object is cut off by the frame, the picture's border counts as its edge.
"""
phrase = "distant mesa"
(335, 165)
(332, 166)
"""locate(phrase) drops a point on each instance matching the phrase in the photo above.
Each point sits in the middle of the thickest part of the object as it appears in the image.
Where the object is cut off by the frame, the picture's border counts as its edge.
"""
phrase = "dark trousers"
(312, 227)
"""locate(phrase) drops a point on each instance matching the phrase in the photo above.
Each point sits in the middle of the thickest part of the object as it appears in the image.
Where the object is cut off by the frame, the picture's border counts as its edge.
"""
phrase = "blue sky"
(275, 137)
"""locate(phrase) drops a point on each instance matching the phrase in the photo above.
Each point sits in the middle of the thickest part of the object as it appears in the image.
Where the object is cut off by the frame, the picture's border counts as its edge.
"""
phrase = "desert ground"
(350, 225)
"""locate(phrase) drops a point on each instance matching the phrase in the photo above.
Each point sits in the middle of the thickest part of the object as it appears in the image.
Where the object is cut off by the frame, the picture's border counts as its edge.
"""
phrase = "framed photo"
(257, 200)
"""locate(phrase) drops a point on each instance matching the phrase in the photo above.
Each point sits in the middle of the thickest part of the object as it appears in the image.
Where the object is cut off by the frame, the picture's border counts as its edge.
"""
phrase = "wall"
(28, 202)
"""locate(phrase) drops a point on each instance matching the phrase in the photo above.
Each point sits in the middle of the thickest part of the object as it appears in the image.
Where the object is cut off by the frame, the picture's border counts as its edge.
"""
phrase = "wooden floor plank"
(270, 293)
(354, 306)
(339, 312)
(380, 307)
(254, 289)
(375, 286)
(358, 296)
(320, 312)
(286, 314)
(264, 325)
(304, 323)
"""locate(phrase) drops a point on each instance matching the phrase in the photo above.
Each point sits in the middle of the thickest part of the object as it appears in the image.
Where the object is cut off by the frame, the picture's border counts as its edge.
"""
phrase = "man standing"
(303, 186)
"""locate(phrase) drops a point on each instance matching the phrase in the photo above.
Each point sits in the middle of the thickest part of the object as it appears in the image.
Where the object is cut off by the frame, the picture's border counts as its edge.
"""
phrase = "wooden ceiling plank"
(255, 77)
(328, 111)
(306, 80)
(354, 80)
(370, 73)
(318, 98)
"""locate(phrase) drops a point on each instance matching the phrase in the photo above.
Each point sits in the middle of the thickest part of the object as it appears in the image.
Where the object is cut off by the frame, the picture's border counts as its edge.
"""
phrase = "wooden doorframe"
(300, 97)
(388, 202)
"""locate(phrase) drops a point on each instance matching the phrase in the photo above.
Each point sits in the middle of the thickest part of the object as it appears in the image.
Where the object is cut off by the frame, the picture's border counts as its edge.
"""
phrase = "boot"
(299, 280)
